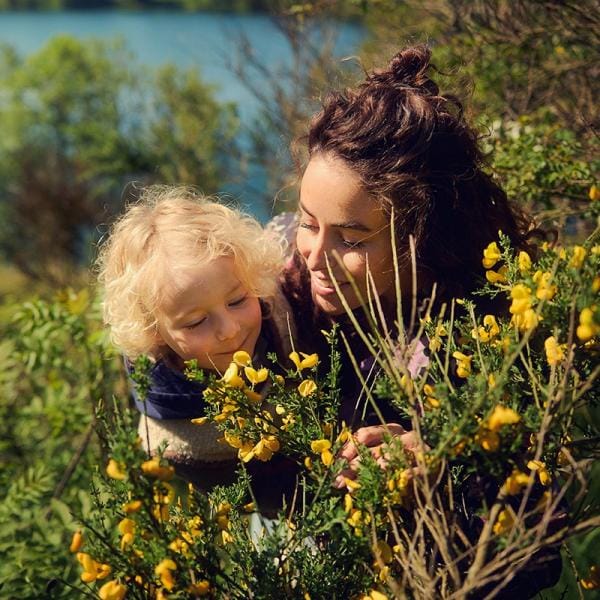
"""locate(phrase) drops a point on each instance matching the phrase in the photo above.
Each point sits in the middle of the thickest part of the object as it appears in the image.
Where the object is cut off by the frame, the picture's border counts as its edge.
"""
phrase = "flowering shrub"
(494, 481)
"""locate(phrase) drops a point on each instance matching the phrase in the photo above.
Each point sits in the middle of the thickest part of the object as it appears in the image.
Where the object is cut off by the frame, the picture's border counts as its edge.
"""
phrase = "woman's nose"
(227, 328)
(315, 255)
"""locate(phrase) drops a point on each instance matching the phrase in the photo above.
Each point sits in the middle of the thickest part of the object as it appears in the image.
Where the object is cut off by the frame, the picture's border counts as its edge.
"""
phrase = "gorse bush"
(496, 476)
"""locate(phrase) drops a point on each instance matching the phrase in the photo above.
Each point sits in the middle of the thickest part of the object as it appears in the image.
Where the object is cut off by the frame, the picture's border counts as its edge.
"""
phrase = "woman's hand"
(374, 439)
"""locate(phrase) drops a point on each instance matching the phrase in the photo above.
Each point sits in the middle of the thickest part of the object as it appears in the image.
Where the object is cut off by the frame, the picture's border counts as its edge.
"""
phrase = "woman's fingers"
(370, 437)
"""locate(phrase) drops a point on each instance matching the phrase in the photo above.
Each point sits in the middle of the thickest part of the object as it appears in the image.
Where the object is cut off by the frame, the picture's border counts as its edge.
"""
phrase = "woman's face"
(338, 217)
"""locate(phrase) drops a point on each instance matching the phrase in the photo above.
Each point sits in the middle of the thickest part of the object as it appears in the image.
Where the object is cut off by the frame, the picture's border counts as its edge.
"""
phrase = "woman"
(391, 156)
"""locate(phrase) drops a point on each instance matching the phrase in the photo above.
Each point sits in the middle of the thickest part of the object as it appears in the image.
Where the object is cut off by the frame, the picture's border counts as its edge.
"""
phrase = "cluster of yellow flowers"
(488, 436)
(163, 496)
(268, 444)
(588, 327)
(95, 571)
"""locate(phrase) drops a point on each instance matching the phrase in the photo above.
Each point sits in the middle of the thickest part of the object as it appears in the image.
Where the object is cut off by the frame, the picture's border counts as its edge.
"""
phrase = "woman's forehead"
(333, 194)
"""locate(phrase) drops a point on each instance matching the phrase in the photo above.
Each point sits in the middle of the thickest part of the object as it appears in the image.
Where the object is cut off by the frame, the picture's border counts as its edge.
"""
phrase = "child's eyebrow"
(357, 226)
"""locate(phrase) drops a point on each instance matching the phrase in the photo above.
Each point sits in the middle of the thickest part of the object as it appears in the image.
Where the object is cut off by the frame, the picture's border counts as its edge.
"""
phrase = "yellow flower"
(132, 507)
(164, 570)
(348, 503)
(112, 590)
(375, 595)
(545, 291)
(521, 299)
(430, 396)
(579, 253)
(525, 321)
(127, 529)
(318, 446)
(253, 396)
(594, 193)
(200, 421)
(263, 450)
(351, 484)
(384, 552)
(76, 542)
(249, 507)
(92, 570)
(115, 470)
(488, 440)
(524, 262)
(153, 468)
(180, 546)
(498, 276)
(554, 351)
(307, 387)
(255, 376)
(242, 358)
(163, 493)
(489, 330)
(502, 416)
(515, 482)
(246, 452)
(587, 328)
(308, 462)
(355, 518)
(231, 377)
(233, 440)
(540, 468)
(505, 522)
(592, 582)
(463, 367)
(491, 255)
(201, 588)
(327, 458)
(306, 362)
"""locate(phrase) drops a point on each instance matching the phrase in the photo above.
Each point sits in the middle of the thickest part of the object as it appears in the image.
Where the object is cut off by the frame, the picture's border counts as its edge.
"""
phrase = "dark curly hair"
(413, 149)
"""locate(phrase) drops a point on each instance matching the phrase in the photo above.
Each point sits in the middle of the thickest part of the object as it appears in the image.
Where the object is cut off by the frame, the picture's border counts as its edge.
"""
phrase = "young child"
(188, 278)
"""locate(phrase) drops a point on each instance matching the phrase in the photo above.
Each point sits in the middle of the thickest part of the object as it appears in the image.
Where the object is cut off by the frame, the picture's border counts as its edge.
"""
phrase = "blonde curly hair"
(167, 230)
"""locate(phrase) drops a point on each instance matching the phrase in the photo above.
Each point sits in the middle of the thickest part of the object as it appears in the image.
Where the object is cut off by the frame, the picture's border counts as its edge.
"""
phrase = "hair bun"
(410, 68)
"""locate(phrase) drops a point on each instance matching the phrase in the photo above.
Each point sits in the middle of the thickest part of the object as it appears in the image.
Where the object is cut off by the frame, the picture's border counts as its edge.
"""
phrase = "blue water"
(204, 40)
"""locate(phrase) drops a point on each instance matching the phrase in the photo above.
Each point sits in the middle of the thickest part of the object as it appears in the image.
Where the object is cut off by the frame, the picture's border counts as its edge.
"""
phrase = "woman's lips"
(324, 288)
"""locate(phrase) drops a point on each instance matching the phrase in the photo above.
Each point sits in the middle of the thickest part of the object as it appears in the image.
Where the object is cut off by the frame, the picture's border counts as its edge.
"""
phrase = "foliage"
(79, 120)
(544, 167)
(54, 371)
(504, 422)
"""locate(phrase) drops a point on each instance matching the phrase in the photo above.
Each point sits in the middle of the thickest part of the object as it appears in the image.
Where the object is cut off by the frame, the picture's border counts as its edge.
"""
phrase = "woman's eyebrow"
(356, 225)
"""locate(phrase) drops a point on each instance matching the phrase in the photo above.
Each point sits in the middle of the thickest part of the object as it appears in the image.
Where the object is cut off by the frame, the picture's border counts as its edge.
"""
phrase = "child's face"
(209, 315)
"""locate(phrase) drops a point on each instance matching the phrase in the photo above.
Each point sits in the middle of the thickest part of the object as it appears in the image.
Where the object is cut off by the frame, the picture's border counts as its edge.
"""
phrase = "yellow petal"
(242, 358)
(318, 446)
(307, 387)
(114, 470)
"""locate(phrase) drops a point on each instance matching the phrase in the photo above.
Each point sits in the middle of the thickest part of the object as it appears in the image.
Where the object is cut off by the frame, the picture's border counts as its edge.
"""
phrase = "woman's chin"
(332, 305)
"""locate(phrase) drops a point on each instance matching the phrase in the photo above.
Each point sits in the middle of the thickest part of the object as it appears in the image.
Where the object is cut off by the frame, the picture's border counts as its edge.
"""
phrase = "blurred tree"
(524, 56)
(79, 120)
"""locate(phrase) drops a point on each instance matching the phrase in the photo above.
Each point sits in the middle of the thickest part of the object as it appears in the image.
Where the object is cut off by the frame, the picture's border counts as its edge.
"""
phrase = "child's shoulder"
(170, 395)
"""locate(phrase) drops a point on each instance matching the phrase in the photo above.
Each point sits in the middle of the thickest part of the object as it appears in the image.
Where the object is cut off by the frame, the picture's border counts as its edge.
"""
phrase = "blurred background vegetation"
(82, 118)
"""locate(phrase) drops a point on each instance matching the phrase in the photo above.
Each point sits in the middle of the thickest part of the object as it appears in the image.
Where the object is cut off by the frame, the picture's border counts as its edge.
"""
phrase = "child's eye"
(195, 323)
(238, 301)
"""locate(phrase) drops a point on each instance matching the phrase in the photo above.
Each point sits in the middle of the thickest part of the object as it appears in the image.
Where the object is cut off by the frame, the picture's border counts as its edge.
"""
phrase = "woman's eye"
(307, 226)
(352, 244)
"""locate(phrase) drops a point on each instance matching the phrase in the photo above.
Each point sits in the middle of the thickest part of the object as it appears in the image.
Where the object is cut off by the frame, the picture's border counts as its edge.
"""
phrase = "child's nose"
(227, 328)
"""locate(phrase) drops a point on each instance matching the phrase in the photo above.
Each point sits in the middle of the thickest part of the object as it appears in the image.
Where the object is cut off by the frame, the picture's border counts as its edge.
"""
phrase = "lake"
(207, 40)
